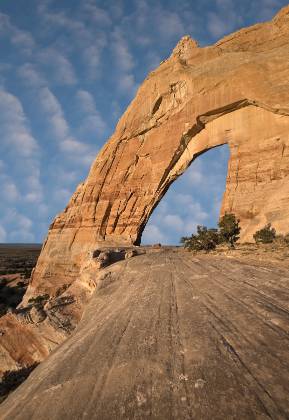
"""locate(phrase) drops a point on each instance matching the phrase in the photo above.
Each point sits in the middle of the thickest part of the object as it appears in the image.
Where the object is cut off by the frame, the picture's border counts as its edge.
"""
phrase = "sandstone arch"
(235, 92)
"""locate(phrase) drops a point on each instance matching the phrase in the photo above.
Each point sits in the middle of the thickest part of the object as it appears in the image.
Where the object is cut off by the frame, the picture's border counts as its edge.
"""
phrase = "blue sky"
(68, 70)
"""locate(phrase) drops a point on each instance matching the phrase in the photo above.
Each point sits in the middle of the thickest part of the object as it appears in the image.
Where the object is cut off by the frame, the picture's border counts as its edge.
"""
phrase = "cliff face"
(234, 92)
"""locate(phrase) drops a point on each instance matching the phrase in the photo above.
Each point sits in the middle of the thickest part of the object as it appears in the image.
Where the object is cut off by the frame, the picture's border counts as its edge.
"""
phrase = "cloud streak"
(21, 39)
(15, 129)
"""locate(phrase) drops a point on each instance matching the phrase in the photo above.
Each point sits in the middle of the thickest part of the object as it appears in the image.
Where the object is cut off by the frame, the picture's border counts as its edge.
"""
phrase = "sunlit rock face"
(234, 92)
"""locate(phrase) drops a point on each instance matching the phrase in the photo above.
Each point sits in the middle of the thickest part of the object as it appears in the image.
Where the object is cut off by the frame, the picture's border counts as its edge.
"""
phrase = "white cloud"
(4, 22)
(93, 124)
(3, 234)
(174, 225)
(152, 235)
(59, 125)
(92, 57)
(223, 21)
(217, 25)
(92, 121)
(87, 32)
(43, 210)
(67, 177)
(9, 191)
(87, 159)
(74, 150)
(117, 10)
(20, 38)
(55, 20)
(57, 67)
(195, 173)
(153, 60)
(174, 222)
(49, 102)
(127, 84)
(86, 101)
(73, 146)
(20, 226)
(17, 141)
(15, 132)
(123, 57)
(54, 113)
(96, 14)
(197, 211)
(22, 236)
(24, 222)
(169, 24)
(192, 206)
(268, 8)
(81, 153)
(62, 195)
(31, 76)
(34, 187)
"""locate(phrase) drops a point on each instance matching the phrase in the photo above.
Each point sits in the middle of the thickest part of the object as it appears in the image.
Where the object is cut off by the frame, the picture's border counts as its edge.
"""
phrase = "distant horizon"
(20, 243)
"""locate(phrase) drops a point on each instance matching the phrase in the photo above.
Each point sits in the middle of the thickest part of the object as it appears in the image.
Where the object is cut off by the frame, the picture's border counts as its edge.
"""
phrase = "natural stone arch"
(250, 181)
(236, 91)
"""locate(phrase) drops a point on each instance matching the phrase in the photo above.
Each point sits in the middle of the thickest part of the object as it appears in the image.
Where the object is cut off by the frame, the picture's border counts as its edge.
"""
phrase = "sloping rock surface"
(170, 335)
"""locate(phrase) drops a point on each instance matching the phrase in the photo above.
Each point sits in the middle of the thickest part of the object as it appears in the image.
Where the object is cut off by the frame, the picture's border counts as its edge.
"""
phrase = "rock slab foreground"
(170, 336)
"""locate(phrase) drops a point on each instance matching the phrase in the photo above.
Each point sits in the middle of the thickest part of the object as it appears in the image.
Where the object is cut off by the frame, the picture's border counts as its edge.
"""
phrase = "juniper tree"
(229, 229)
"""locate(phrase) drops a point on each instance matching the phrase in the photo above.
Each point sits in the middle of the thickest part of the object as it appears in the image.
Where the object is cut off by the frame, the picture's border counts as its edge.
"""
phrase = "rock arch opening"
(194, 198)
(258, 143)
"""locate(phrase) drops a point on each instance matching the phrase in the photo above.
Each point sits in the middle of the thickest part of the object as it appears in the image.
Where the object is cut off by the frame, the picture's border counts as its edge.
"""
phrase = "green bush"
(229, 229)
(266, 235)
(205, 239)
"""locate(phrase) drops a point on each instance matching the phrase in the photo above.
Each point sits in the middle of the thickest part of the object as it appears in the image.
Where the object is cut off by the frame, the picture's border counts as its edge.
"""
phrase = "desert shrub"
(205, 239)
(61, 290)
(229, 229)
(265, 235)
(282, 240)
(39, 300)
